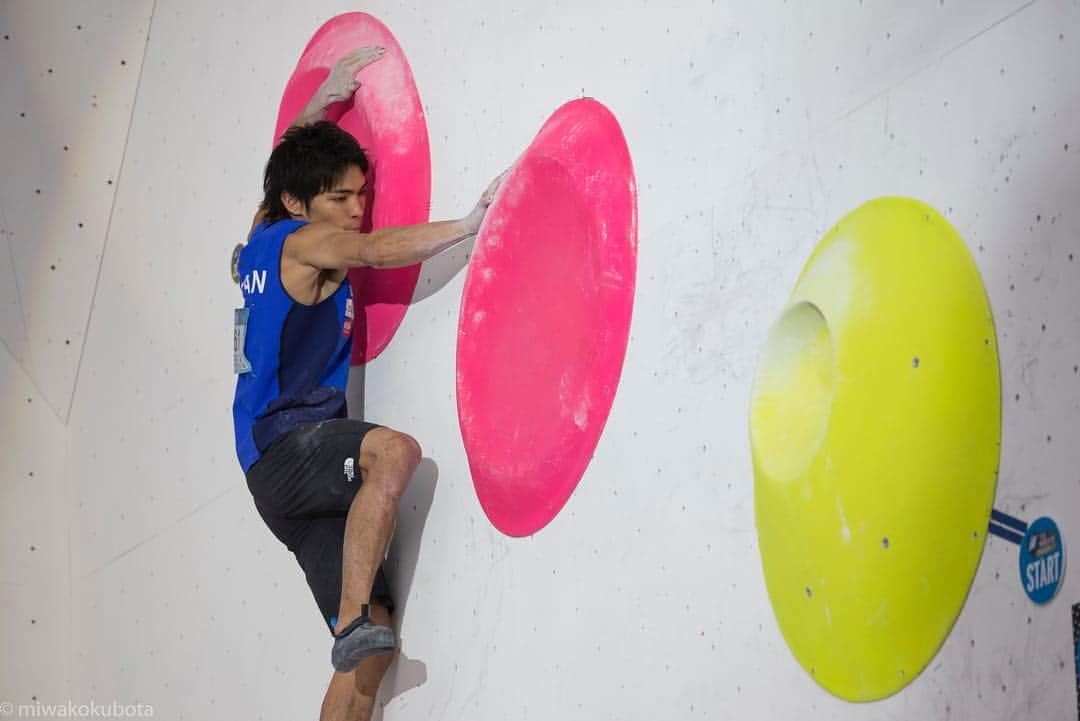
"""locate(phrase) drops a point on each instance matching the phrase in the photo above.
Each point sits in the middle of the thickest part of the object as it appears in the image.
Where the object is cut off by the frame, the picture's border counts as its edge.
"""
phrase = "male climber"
(327, 486)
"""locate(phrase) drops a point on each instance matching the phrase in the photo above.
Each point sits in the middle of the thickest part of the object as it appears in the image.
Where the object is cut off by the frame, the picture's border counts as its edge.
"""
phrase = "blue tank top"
(298, 354)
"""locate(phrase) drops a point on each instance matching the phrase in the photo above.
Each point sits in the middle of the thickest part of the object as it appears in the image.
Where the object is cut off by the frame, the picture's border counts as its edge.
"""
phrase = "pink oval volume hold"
(387, 119)
(545, 317)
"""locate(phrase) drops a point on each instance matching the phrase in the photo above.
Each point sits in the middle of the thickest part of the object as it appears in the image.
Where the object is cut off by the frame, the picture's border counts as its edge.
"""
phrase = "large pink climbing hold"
(387, 119)
(545, 317)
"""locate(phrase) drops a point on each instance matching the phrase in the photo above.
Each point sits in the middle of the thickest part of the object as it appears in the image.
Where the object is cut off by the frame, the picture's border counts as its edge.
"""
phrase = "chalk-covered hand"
(341, 83)
(476, 217)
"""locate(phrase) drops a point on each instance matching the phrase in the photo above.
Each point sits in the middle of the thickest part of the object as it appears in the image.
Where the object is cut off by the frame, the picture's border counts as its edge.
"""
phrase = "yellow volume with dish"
(875, 424)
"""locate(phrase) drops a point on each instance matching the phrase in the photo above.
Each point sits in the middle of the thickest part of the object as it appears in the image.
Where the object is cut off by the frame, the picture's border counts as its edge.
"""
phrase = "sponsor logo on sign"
(1042, 560)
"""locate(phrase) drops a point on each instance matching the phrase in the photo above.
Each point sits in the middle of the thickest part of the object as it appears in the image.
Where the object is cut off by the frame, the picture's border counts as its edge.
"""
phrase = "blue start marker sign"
(1042, 560)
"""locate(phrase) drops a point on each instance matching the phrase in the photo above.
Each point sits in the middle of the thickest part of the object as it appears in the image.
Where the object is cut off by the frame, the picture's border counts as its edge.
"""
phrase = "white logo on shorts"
(349, 472)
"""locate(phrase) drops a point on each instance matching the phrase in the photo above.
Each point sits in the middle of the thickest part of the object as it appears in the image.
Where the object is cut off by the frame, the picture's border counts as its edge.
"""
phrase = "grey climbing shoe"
(358, 640)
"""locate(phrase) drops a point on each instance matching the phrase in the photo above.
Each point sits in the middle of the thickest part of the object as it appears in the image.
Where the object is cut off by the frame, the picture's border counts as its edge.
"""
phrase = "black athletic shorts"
(302, 487)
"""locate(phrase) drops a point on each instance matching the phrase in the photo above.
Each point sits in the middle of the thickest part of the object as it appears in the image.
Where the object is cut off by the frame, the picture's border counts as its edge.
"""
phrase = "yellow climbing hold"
(875, 424)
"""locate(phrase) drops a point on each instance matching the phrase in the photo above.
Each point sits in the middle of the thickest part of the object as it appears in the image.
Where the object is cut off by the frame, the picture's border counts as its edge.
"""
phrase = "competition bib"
(241, 364)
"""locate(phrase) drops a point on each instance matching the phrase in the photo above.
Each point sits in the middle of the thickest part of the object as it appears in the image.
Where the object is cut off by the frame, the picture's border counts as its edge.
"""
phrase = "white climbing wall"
(69, 81)
(133, 567)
